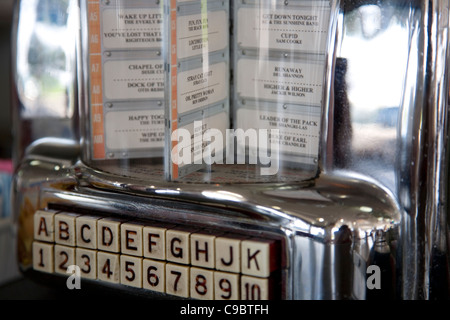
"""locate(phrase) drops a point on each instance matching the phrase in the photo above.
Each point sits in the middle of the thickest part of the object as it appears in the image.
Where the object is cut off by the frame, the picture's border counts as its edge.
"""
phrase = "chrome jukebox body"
(351, 96)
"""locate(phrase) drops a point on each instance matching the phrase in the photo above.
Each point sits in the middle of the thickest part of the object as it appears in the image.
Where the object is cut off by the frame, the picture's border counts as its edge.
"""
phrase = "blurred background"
(6, 12)
(8, 266)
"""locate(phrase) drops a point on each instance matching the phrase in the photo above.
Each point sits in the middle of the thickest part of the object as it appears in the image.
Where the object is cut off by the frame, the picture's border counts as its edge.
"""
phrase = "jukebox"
(234, 150)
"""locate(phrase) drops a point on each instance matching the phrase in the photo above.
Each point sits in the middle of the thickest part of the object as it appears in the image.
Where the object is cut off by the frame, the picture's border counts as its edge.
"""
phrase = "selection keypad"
(169, 258)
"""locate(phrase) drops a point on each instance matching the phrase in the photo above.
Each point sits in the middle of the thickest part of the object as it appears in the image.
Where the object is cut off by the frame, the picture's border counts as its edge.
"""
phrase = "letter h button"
(202, 250)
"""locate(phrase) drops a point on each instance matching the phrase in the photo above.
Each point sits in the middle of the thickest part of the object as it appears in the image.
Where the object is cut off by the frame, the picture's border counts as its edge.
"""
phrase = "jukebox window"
(176, 259)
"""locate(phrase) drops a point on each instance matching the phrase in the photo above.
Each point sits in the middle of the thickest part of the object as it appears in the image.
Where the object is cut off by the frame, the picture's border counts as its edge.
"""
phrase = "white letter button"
(202, 284)
(258, 258)
(86, 227)
(202, 250)
(154, 239)
(178, 245)
(131, 238)
(108, 235)
(44, 227)
(65, 228)
(228, 253)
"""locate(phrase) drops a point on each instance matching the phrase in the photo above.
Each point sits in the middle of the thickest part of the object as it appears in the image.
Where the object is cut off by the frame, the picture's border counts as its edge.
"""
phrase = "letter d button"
(108, 234)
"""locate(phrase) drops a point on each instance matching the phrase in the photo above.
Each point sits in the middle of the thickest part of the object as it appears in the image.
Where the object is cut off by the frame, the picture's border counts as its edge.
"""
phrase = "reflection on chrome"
(223, 195)
(45, 56)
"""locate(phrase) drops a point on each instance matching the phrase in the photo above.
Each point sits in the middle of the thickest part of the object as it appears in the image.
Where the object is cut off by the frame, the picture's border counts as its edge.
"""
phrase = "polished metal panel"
(389, 122)
(322, 233)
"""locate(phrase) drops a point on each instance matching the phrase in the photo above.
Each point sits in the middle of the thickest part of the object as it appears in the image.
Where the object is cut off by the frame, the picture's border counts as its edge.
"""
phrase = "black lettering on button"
(83, 227)
(63, 230)
(87, 263)
(129, 240)
(252, 292)
(177, 252)
(42, 226)
(252, 257)
(150, 242)
(104, 230)
(230, 262)
(199, 251)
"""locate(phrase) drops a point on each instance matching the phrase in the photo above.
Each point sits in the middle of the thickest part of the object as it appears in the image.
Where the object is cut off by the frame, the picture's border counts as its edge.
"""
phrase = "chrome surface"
(389, 121)
(380, 198)
(319, 232)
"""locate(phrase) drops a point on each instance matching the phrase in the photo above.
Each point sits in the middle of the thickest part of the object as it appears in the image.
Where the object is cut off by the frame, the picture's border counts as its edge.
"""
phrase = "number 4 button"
(108, 267)
(87, 261)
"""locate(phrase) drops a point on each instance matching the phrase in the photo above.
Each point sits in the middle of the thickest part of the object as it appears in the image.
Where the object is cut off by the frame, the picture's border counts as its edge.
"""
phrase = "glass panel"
(244, 91)
(124, 81)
